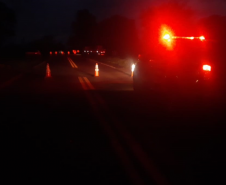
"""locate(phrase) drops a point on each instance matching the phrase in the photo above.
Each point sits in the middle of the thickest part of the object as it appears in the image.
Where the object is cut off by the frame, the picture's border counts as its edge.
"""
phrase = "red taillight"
(206, 68)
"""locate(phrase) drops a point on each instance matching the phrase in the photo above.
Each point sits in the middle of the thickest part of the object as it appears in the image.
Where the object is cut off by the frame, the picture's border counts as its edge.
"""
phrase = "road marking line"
(88, 83)
(38, 65)
(7, 83)
(72, 63)
(134, 146)
(117, 146)
(118, 69)
(99, 106)
(69, 62)
(103, 64)
(82, 83)
(108, 65)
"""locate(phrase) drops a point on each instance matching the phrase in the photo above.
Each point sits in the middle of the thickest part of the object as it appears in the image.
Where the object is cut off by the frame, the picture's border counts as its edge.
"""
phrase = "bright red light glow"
(167, 36)
(202, 38)
(206, 68)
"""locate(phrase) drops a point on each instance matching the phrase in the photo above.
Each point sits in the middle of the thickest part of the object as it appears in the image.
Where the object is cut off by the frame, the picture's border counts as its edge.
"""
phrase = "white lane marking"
(82, 83)
(88, 83)
(103, 64)
(119, 150)
(134, 146)
(38, 65)
(107, 65)
(72, 63)
(9, 82)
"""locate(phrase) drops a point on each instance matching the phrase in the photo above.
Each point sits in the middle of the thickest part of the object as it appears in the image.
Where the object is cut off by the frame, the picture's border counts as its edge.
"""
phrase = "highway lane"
(186, 142)
(109, 78)
(147, 141)
(50, 132)
(11, 69)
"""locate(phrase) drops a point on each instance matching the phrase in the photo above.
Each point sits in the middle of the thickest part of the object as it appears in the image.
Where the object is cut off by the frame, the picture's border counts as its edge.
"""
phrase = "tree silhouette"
(7, 22)
(83, 30)
(119, 33)
(45, 44)
(214, 29)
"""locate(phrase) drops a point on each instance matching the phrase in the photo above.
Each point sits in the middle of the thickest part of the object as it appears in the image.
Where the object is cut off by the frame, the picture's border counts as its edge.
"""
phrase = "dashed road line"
(141, 156)
(88, 83)
(73, 65)
(107, 65)
(104, 64)
(101, 108)
(118, 69)
(9, 82)
(82, 83)
(119, 150)
(146, 162)
(38, 65)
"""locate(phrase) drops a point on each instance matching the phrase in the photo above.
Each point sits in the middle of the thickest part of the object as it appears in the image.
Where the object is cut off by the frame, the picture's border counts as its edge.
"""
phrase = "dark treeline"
(118, 34)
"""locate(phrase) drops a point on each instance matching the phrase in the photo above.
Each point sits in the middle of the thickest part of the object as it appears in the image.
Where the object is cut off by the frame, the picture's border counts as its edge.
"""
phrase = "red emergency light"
(206, 68)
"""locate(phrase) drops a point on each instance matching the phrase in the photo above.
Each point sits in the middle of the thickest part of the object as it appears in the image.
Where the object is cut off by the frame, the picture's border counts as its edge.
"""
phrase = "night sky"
(40, 17)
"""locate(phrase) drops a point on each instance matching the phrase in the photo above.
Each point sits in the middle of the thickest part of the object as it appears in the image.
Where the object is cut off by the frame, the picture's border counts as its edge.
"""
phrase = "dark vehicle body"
(188, 68)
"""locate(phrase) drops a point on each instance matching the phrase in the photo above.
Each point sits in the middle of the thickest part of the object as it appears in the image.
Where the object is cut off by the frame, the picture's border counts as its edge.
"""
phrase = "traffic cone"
(96, 70)
(48, 72)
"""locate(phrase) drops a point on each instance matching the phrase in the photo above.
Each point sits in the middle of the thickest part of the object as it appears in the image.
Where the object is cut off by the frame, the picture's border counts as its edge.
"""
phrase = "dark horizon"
(56, 16)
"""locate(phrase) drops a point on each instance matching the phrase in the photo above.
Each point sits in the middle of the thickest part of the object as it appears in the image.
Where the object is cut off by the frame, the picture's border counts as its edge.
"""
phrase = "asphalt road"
(74, 127)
